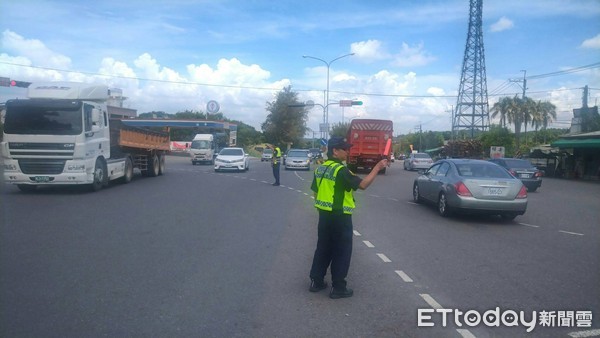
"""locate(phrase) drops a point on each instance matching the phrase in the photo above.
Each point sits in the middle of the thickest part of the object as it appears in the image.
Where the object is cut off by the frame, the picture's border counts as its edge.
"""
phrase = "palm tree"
(528, 109)
(502, 108)
(546, 114)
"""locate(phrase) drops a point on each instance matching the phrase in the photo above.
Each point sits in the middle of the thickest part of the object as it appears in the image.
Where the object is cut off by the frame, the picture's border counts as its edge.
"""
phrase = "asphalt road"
(198, 253)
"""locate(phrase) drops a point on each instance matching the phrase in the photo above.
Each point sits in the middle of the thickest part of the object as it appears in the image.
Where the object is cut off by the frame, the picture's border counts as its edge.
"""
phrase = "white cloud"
(501, 25)
(370, 50)
(34, 50)
(413, 56)
(592, 43)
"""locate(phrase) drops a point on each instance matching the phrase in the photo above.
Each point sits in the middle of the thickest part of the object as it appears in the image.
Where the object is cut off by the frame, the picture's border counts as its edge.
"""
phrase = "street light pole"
(326, 104)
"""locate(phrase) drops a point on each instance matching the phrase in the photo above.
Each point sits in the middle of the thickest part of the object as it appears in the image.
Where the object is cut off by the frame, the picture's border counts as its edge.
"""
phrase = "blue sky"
(176, 55)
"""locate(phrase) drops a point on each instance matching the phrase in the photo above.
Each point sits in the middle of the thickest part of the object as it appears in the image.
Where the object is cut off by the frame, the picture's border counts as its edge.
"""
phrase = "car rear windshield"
(295, 153)
(482, 171)
(422, 156)
(238, 152)
(518, 164)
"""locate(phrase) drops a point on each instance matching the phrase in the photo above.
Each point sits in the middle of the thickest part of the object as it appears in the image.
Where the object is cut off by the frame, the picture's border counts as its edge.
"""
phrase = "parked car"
(298, 159)
(417, 161)
(523, 170)
(471, 186)
(232, 159)
(267, 155)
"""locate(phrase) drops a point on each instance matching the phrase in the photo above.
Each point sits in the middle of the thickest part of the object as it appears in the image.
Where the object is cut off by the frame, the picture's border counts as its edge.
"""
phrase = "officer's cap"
(338, 143)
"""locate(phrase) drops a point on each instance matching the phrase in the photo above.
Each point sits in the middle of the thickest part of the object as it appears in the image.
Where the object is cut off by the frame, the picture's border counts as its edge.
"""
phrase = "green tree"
(339, 129)
(498, 136)
(284, 124)
(545, 113)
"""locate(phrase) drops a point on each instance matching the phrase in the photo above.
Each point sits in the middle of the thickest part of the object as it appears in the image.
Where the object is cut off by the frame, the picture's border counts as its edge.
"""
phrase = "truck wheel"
(100, 175)
(153, 166)
(162, 165)
(128, 175)
(27, 187)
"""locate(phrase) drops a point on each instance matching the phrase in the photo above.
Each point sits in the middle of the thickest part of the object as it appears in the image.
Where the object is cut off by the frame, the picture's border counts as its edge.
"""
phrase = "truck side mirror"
(96, 116)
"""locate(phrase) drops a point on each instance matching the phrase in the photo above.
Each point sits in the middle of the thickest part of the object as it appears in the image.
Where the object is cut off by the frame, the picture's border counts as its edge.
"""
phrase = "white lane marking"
(253, 179)
(465, 333)
(374, 196)
(588, 333)
(295, 173)
(394, 199)
(384, 258)
(404, 276)
(570, 233)
(413, 203)
(264, 182)
(306, 194)
(356, 233)
(299, 190)
(530, 225)
(290, 188)
(369, 244)
(427, 298)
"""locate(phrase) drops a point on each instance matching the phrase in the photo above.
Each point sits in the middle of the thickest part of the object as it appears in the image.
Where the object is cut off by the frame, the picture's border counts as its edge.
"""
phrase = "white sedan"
(232, 159)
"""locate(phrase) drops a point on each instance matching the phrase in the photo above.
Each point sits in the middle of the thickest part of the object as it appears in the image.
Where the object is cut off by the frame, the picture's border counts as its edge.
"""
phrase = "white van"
(202, 149)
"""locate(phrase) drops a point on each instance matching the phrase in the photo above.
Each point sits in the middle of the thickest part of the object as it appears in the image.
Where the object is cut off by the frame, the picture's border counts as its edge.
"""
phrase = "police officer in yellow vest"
(276, 163)
(334, 184)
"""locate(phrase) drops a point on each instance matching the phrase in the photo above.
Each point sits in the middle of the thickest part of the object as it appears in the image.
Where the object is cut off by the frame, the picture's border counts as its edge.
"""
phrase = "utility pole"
(420, 128)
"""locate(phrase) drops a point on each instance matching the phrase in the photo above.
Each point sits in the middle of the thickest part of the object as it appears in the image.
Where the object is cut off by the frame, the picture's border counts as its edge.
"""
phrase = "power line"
(566, 71)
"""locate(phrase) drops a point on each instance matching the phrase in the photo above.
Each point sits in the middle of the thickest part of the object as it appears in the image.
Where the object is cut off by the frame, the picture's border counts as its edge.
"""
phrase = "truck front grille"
(42, 166)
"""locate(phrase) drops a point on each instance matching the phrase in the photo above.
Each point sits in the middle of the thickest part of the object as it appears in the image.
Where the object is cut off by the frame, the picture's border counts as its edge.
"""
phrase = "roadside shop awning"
(577, 143)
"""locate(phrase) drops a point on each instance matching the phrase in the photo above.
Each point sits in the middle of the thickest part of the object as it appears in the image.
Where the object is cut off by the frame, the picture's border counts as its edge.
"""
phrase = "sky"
(178, 55)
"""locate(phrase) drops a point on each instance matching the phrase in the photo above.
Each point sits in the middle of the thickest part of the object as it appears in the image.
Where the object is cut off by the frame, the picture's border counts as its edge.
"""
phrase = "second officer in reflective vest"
(276, 164)
(333, 185)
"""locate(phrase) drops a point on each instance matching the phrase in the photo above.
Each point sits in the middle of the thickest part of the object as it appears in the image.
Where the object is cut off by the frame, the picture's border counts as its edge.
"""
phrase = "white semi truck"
(62, 134)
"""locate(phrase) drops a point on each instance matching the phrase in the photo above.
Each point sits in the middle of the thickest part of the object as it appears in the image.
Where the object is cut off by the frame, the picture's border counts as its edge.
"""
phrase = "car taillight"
(512, 172)
(538, 174)
(462, 190)
(522, 193)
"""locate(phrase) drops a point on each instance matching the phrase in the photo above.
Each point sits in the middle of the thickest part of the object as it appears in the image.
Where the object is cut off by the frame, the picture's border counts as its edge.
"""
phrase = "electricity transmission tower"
(472, 109)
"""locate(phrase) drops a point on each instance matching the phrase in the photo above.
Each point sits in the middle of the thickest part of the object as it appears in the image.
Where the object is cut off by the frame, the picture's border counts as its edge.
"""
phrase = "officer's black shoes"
(337, 293)
(275, 184)
(316, 286)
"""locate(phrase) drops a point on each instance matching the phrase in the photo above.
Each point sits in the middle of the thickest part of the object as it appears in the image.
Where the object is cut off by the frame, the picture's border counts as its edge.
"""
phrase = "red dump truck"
(369, 138)
(62, 135)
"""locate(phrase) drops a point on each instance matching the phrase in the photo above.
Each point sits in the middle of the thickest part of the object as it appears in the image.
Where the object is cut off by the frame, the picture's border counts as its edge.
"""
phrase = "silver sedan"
(471, 186)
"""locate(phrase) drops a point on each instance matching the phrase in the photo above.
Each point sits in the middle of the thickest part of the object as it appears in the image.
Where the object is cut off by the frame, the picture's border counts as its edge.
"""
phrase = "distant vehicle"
(368, 138)
(401, 157)
(202, 149)
(267, 155)
(392, 157)
(63, 134)
(232, 159)
(298, 159)
(315, 153)
(523, 170)
(417, 161)
(471, 186)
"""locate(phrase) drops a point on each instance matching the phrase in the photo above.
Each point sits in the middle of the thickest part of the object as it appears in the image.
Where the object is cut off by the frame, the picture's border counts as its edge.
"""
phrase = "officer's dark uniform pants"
(334, 247)
(276, 172)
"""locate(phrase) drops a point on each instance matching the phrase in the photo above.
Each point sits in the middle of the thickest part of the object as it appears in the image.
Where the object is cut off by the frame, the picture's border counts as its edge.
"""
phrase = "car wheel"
(443, 208)
(416, 195)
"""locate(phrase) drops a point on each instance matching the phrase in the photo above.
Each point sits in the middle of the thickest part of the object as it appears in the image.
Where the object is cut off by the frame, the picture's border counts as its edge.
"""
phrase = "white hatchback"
(232, 159)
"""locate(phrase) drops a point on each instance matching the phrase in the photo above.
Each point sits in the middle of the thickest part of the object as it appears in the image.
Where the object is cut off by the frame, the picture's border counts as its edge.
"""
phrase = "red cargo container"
(368, 138)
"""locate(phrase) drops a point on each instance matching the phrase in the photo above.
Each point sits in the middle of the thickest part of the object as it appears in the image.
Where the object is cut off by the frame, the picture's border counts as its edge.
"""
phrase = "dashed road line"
(356, 233)
(384, 258)
(588, 333)
(529, 225)
(429, 300)
(369, 244)
(465, 333)
(404, 276)
(570, 233)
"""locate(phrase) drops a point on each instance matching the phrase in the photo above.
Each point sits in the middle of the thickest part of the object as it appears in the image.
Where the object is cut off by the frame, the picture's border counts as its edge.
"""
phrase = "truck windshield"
(200, 144)
(47, 118)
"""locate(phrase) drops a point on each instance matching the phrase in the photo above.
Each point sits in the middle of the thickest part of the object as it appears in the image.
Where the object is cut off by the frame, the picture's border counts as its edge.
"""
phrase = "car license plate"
(42, 179)
(525, 175)
(494, 191)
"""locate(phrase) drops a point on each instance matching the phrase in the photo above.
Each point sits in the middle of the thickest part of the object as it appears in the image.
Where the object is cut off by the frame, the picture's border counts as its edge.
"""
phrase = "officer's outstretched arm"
(366, 182)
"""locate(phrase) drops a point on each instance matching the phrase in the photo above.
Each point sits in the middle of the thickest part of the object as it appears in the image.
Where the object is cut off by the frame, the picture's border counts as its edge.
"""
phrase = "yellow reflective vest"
(325, 176)
(276, 155)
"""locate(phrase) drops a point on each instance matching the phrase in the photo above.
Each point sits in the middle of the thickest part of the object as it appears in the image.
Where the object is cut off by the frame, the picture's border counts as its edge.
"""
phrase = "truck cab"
(202, 149)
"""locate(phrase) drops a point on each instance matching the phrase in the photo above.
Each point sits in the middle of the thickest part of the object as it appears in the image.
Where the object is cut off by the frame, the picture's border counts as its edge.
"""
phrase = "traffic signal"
(22, 84)
(357, 103)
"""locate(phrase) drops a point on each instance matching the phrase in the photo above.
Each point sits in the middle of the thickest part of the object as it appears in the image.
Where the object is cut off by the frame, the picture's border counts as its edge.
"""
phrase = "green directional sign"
(357, 103)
